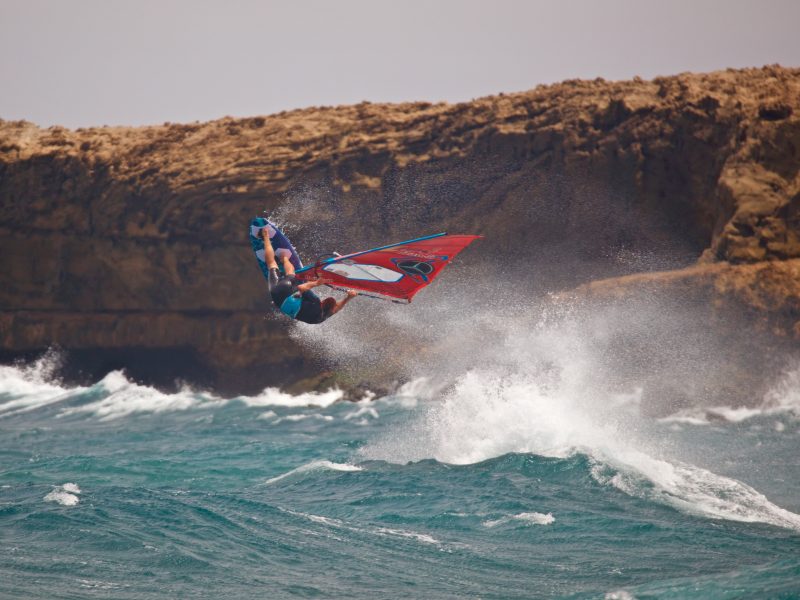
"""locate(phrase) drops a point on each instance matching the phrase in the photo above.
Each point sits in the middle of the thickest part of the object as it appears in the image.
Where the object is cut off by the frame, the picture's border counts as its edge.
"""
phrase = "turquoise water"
(477, 491)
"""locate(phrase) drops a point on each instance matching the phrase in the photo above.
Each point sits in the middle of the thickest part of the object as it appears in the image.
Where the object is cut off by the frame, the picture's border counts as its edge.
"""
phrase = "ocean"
(491, 478)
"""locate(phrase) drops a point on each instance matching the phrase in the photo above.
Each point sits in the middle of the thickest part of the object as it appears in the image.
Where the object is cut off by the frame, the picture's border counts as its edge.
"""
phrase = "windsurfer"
(297, 300)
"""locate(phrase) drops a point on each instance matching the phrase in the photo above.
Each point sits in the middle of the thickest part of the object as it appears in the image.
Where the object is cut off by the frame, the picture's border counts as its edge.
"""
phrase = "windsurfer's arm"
(340, 305)
(309, 285)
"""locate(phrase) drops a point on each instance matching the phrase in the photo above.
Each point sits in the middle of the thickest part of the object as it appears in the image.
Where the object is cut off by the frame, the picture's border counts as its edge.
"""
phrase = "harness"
(291, 306)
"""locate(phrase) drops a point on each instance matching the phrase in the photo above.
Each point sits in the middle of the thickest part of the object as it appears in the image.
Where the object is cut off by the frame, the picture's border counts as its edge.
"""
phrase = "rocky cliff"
(126, 246)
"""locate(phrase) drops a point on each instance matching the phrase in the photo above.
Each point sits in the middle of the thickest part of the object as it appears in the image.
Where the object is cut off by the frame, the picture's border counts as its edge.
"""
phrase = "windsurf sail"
(396, 271)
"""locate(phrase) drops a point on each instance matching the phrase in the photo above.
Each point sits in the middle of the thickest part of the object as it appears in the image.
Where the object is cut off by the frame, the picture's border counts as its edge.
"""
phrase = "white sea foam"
(372, 530)
(72, 488)
(61, 497)
(362, 412)
(714, 414)
(275, 397)
(734, 415)
(529, 518)
(316, 465)
(687, 417)
(28, 387)
(32, 386)
(65, 495)
(122, 398)
(302, 417)
(420, 537)
(323, 520)
(100, 585)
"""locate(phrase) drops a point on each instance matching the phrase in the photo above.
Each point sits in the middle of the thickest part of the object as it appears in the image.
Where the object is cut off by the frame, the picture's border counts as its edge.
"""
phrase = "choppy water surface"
(491, 488)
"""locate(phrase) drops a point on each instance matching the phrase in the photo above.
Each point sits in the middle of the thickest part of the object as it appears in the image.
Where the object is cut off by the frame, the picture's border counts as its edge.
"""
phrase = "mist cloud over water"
(507, 371)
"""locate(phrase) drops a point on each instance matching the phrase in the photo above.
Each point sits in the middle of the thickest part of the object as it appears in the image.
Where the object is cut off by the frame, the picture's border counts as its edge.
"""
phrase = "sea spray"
(25, 387)
(557, 378)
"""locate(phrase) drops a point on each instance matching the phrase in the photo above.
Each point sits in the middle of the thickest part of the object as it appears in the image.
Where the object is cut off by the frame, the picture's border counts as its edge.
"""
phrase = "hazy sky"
(95, 62)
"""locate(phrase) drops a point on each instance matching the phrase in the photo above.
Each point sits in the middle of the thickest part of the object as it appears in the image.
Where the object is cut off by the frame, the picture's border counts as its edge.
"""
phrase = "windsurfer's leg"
(288, 267)
(269, 253)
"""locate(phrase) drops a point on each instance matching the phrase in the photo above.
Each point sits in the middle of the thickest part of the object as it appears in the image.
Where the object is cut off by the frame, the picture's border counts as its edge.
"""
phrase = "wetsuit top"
(302, 306)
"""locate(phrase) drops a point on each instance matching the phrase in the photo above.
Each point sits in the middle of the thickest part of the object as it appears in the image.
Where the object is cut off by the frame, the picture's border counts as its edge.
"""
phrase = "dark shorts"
(311, 310)
(281, 288)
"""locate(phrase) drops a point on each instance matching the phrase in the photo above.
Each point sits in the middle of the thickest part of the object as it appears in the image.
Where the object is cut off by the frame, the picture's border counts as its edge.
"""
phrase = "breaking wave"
(484, 417)
(25, 388)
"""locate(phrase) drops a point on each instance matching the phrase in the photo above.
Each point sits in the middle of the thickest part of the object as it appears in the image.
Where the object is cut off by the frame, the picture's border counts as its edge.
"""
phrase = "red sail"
(398, 270)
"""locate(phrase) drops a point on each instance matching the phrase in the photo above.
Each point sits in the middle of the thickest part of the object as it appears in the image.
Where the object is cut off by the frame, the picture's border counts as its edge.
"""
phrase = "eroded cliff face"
(119, 242)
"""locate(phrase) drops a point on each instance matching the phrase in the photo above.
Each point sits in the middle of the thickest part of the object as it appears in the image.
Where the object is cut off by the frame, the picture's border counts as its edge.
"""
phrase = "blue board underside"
(279, 241)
